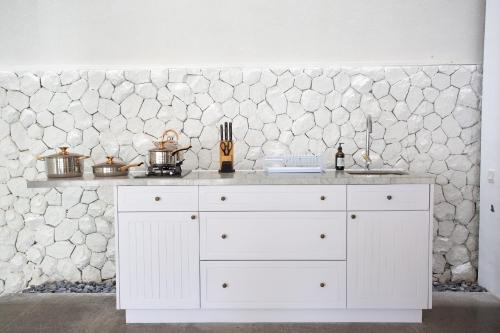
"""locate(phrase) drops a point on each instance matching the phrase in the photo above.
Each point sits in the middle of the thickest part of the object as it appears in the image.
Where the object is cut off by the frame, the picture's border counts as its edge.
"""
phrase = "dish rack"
(294, 163)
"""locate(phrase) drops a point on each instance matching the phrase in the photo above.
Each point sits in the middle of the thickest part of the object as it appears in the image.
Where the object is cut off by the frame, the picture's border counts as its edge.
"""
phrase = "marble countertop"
(251, 177)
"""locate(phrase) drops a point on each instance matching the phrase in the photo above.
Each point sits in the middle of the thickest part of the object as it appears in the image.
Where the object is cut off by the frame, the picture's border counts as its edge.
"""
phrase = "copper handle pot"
(110, 168)
(63, 164)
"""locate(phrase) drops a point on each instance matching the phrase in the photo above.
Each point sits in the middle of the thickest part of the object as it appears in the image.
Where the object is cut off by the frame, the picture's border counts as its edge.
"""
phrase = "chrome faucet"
(366, 155)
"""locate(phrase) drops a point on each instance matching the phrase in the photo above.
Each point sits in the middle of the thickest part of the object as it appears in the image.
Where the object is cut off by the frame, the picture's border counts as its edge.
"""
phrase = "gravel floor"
(108, 286)
(458, 286)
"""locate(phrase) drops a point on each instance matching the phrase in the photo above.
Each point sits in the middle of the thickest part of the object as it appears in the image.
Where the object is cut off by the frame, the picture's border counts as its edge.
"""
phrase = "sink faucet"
(366, 155)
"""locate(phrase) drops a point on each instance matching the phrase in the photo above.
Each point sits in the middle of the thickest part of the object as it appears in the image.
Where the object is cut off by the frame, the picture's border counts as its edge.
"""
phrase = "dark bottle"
(339, 158)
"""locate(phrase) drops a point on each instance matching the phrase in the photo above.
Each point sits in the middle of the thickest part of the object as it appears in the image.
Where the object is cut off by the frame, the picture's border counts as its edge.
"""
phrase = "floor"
(453, 312)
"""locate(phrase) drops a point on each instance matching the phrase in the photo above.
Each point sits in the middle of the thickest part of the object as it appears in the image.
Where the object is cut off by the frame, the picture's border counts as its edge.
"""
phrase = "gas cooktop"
(174, 171)
(182, 174)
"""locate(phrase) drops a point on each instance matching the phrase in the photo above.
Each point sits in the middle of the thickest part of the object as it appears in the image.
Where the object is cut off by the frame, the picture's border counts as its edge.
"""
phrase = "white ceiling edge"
(57, 67)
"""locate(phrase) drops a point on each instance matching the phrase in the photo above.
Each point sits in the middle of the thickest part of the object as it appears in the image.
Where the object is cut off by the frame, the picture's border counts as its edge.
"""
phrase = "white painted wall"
(489, 230)
(35, 33)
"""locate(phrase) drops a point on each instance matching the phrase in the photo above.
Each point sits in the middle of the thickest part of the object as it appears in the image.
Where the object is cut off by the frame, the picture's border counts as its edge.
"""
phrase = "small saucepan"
(167, 151)
(112, 168)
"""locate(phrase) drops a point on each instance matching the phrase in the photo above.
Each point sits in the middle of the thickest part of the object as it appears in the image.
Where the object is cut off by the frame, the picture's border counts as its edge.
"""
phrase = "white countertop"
(251, 177)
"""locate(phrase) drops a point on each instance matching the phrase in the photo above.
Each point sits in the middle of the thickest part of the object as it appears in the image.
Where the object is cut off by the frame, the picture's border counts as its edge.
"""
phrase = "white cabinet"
(388, 260)
(273, 235)
(237, 253)
(268, 284)
(158, 260)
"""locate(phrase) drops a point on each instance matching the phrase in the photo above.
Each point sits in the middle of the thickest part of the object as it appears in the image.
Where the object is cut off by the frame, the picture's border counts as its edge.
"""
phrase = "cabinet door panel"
(158, 260)
(388, 260)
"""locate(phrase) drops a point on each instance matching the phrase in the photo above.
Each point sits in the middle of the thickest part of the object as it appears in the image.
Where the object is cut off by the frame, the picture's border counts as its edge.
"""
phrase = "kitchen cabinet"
(159, 260)
(388, 261)
(274, 253)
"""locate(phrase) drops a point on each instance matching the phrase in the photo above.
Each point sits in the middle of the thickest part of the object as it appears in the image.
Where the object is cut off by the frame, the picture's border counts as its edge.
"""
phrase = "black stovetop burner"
(165, 171)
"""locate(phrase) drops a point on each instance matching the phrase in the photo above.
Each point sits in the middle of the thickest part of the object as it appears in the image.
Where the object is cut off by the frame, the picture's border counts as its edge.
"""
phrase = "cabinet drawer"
(273, 236)
(388, 197)
(268, 284)
(157, 198)
(272, 198)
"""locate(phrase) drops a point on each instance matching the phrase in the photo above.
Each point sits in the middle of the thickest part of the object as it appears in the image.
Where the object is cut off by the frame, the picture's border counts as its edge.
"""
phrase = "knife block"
(226, 158)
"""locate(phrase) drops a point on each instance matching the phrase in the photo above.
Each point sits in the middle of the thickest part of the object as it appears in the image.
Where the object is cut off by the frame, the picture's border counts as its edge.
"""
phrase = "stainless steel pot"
(167, 152)
(63, 164)
(112, 168)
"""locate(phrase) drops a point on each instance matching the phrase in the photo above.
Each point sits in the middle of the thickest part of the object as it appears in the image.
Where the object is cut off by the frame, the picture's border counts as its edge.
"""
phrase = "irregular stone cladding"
(426, 119)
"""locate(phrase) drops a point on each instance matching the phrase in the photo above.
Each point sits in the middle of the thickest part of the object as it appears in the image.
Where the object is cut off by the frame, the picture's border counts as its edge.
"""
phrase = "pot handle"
(175, 152)
(83, 157)
(128, 166)
(40, 158)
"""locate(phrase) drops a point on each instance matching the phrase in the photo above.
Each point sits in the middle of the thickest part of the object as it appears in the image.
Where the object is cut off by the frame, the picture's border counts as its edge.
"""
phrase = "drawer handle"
(353, 216)
(225, 285)
(157, 198)
(323, 198)
(193, 217)
(223, 236)
(389, 197)
(223, 198)
(322, 236)
(322, 284)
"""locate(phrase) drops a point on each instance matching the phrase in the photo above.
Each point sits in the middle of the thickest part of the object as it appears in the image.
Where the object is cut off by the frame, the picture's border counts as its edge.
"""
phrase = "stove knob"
(157, 198)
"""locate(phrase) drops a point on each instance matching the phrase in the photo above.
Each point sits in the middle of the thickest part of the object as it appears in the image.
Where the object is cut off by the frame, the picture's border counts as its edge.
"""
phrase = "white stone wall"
(426, 119)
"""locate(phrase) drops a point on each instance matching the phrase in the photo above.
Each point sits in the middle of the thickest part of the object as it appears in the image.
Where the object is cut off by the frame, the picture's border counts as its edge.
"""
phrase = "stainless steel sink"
(376, 171)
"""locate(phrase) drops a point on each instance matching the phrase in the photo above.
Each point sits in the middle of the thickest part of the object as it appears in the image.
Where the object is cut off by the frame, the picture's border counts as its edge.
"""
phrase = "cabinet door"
(388, 259)
(158, 260)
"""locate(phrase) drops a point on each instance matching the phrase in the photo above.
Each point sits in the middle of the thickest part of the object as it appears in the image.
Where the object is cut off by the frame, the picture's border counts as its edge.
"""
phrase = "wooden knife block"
(226, 161)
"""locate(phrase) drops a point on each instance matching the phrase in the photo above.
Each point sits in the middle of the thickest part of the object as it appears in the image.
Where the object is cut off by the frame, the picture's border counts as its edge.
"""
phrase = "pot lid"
(110, 162)
(165, 145)
(64, 153)
(168, 141)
